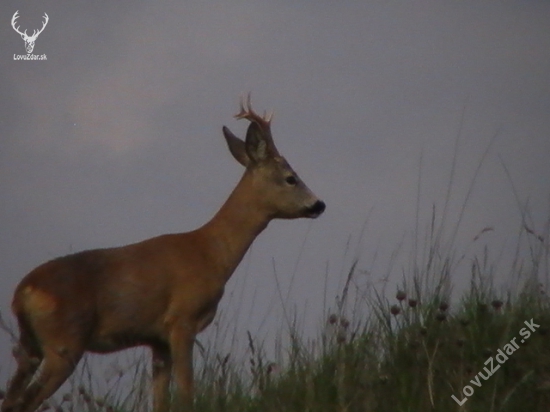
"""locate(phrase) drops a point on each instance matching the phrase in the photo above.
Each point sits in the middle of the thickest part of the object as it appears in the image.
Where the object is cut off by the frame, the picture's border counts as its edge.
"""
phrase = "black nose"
(317, 208)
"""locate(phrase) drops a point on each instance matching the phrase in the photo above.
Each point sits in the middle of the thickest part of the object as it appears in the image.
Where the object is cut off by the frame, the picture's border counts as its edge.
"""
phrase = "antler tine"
(15, 17)
(246, 112)
(269, 116)
(249, 102)
(14, 22)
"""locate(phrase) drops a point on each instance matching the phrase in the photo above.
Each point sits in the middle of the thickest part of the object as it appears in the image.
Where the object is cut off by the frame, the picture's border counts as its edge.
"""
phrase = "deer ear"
(236, 147)
(255, 143)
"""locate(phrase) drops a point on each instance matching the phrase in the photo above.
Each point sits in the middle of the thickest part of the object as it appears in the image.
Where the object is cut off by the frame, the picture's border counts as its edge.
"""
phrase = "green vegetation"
(408, 351)
(412, 352)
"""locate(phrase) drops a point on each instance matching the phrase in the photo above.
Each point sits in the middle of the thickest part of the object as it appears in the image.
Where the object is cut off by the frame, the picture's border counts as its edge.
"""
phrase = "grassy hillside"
(411, 350)
(412, 353)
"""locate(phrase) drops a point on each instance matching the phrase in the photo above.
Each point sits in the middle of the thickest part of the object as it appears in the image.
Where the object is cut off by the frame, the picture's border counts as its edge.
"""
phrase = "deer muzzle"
(316, 209)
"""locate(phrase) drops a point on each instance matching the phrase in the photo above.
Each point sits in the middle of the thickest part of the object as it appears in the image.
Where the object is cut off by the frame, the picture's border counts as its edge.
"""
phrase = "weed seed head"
(344, 323)
(395, 310)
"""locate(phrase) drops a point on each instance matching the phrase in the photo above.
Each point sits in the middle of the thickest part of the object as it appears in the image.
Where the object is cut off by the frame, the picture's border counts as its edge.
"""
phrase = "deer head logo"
(29, 40)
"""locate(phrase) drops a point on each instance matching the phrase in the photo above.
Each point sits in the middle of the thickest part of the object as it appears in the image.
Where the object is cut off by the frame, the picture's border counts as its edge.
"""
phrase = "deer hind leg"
(28, 356)
(26, 368)
(45, 330)
(56, 368)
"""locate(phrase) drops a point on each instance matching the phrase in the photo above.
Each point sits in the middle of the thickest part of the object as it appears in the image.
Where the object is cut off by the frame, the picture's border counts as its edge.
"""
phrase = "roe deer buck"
(159, 292)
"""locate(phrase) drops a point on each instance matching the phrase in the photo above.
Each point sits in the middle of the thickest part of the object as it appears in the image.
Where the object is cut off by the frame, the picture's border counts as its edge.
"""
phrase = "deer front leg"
(181, 347)
(162, 369)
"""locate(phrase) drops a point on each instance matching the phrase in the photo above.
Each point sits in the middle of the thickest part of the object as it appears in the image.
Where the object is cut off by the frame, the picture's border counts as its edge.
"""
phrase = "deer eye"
(291, 180)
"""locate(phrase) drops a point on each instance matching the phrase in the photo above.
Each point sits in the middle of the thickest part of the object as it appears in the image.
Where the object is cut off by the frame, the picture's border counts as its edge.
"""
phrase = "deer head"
(278, 189)
(29, 40)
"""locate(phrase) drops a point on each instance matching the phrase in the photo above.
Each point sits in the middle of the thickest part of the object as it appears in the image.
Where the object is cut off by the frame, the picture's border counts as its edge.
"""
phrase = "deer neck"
(229, 234)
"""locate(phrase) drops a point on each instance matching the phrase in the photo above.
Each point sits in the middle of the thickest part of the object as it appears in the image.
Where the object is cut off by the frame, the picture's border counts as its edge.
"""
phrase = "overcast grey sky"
(117, 136)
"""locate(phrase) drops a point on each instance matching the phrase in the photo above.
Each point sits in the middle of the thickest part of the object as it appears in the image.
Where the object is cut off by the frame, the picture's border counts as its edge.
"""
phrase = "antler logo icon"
(29, 40)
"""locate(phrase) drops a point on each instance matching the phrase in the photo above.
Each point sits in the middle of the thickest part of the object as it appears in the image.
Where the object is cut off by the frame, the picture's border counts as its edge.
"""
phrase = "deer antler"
(36, 33)
(13, 19)
(247, 113)
(264, 121)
